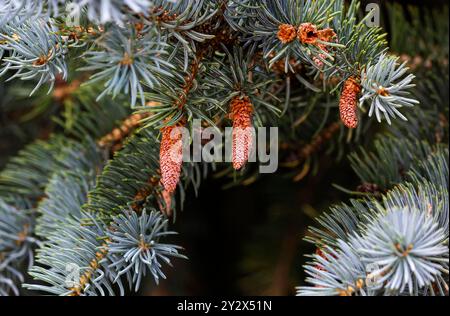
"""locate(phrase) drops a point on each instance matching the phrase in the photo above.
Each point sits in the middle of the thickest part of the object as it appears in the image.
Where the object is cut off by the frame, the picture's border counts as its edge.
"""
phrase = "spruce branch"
(17, 244)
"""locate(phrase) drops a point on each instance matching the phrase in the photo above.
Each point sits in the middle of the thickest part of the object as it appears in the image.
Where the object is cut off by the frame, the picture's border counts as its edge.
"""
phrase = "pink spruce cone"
(241, 115)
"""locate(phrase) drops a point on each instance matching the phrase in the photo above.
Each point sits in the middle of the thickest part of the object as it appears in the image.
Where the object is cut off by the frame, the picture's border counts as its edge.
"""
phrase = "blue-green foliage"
(82, 221)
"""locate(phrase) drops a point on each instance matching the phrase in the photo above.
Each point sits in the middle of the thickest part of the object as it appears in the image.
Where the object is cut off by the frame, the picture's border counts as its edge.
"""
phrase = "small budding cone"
(321, 253)
(325, 35)
(307, 33)
(241, 115)
(348, 103)
(286, 33)
(170, 157)
(317, 60)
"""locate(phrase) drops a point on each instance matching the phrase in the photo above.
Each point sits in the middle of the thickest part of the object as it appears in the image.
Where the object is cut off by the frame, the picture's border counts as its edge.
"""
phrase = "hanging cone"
(241, 115)
(348, 103)
(170, 157)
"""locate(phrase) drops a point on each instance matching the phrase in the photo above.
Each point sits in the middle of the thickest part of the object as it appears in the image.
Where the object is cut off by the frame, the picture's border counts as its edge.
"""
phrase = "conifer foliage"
(86, 208)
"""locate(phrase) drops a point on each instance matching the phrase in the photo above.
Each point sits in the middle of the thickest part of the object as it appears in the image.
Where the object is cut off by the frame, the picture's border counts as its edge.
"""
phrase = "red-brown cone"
(286, 33)
(307, 33)
(348, 103)
(170, 157)
(325, 35)
(166, 204)
(241, 115)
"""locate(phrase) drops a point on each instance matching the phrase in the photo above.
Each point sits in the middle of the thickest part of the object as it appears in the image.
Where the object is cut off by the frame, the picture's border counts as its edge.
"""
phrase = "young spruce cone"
(170, 157)
(348, 103)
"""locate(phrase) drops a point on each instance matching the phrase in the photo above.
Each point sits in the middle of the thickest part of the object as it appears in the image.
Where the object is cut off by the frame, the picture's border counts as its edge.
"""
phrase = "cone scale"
(348, 103)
